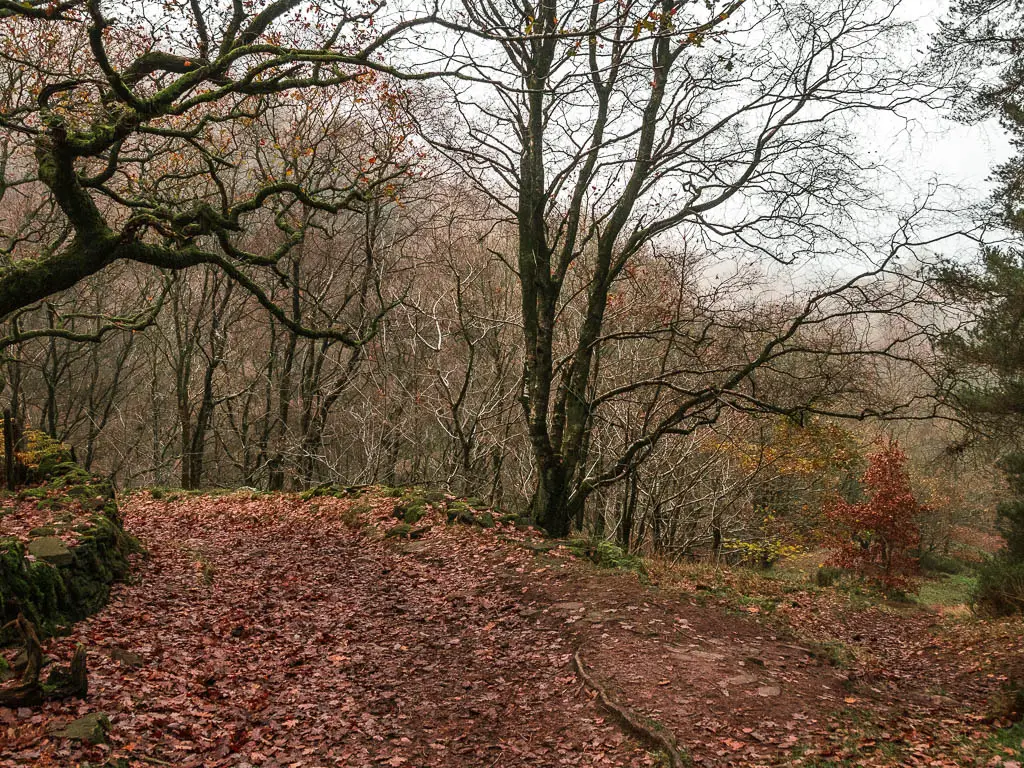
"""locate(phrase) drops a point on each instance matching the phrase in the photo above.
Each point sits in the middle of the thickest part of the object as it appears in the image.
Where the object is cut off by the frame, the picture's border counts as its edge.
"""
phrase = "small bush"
(1010, 523)
(607, 555)
(827, 576)
(877, 538)
(762, 553)
(1010, 514)
(936, 562)
(1000, 590)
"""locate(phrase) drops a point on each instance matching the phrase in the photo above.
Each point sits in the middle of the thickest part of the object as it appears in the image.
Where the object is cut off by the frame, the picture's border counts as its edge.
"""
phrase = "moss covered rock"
(335, 491)
(50, 549)
(400, 531)
(43, 454)
(91, 729)
(415, 503)
(54, 583)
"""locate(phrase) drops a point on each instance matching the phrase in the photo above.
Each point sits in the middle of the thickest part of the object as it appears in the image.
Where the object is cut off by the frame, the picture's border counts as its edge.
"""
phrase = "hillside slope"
(272, 631)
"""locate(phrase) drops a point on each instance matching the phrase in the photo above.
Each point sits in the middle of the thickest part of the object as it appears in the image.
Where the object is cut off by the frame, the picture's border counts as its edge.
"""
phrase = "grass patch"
(835, 653)
(1008, 742)
(763, 604)
(950, 589)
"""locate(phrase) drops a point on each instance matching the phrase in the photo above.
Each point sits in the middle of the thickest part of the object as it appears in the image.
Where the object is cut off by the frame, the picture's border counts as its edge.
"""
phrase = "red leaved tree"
(876, 538)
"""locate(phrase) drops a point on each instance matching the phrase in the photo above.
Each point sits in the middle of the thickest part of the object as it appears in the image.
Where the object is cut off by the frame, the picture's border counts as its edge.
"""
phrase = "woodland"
(494, 383)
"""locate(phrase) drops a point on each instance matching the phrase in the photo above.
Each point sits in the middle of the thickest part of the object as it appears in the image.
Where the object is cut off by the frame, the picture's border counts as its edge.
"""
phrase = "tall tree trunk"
(553, 507)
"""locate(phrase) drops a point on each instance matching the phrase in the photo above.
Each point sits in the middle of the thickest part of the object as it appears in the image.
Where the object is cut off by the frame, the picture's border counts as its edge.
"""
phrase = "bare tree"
(601, 129)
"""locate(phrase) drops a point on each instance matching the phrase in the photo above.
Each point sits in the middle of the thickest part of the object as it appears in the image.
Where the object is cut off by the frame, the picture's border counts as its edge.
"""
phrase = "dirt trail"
(271, 635)
(271, 632)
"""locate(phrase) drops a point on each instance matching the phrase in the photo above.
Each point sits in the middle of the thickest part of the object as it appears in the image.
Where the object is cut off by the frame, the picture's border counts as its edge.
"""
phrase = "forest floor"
(268, 631)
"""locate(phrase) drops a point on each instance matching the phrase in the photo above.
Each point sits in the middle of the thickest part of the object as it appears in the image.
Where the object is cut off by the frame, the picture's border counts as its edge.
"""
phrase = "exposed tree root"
(29, 691)
(653, 733)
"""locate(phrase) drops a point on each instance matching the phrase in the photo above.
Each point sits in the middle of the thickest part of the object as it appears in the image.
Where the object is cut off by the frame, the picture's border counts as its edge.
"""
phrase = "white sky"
(939, 147)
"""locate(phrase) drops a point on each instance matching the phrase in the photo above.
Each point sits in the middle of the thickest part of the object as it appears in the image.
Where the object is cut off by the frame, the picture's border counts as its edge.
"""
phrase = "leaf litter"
(268, 631)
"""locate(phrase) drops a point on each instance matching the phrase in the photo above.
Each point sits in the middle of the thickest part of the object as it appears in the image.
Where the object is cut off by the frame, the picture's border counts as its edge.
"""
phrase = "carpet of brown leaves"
(273, 632)
(278, 633)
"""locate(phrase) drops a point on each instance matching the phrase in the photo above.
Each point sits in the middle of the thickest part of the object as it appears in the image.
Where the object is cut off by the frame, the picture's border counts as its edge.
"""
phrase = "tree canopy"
(137, 120)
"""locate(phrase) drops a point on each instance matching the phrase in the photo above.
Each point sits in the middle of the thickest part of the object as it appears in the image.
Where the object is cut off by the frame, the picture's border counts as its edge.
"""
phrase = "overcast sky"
(960, 155)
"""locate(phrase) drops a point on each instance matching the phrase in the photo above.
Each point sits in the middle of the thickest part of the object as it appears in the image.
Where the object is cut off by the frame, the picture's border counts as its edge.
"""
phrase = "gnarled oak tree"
(133, 118)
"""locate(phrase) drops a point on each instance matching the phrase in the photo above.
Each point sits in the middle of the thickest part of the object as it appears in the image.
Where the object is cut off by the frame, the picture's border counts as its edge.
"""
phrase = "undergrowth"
(606, 554)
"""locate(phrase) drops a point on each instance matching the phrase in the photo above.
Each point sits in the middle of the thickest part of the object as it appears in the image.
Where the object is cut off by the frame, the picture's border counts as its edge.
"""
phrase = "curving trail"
(266, 631)
(274, 633)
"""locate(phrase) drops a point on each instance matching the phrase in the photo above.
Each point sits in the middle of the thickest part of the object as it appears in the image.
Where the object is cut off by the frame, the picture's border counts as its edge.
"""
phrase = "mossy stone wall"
(51, 595)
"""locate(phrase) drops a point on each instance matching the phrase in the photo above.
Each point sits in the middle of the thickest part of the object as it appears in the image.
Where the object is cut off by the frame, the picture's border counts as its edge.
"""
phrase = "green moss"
(314, 493)
(460, 512)
(605, 554)
(334, 491)
(413, 513)
(68, 472)
(413, 505)
(52, 596)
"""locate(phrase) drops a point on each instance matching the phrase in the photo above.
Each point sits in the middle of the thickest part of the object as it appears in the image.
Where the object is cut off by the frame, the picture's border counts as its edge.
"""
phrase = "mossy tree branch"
(100, 128)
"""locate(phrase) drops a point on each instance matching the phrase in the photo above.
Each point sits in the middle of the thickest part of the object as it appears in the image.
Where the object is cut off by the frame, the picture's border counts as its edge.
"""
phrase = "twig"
(152, 760)
(654, 733)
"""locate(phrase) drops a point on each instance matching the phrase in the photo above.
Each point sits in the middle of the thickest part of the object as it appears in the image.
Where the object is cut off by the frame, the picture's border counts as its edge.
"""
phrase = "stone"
(741, 679)
(127, 658)
(698, 654)
(50, 550)
(767, 691)
(35, 533)
(92, 729)
(419, 533)
(568, 607)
